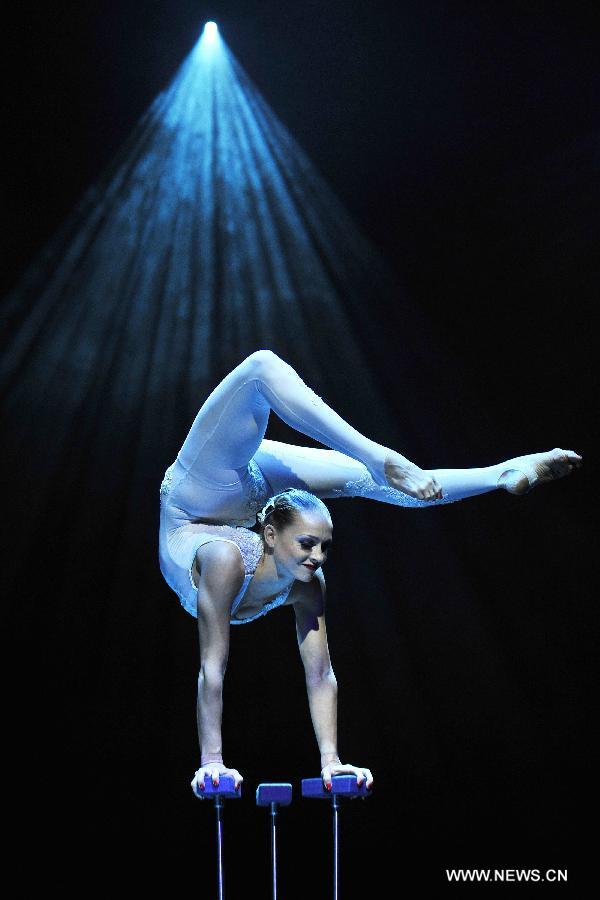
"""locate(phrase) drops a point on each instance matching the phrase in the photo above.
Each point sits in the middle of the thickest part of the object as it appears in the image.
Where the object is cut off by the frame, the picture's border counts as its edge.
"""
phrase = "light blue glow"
(211, 31)
(209, 44)
(215, 219)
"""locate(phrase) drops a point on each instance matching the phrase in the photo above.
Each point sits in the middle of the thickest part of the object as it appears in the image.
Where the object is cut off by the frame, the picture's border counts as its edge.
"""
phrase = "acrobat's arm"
(321, 683)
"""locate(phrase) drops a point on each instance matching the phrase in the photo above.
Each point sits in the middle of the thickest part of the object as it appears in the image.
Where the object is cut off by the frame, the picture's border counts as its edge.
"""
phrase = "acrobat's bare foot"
(405, 476)
(523, 473)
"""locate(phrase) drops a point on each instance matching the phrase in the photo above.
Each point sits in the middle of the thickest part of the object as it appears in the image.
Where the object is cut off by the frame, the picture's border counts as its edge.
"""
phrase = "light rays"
(211, 220)
(210, 235)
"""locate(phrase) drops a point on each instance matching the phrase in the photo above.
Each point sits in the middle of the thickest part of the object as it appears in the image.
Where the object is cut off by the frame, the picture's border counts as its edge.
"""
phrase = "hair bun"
(289, 502)
(265, 511)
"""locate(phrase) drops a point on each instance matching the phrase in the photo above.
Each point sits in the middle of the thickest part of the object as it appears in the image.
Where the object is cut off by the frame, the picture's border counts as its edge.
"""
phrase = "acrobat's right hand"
(214, 771)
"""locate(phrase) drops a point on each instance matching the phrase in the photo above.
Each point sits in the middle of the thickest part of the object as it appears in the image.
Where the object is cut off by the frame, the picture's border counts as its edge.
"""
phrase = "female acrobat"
(227, 479)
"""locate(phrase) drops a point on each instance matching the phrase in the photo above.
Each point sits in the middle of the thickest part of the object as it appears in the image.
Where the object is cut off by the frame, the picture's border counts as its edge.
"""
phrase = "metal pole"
(274, 847)
(219, 804)
(336, 846)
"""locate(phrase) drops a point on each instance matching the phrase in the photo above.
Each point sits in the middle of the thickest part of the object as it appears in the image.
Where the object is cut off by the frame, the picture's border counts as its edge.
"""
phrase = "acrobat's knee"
(264, 364)
(265, 359)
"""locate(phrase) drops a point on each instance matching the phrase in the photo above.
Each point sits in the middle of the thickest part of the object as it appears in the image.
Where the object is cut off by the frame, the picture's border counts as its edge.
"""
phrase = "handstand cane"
(224, 790)
(273, 795)
(341, 786)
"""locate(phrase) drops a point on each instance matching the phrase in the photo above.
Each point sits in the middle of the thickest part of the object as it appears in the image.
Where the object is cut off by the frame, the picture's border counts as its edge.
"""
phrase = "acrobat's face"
(301, 547)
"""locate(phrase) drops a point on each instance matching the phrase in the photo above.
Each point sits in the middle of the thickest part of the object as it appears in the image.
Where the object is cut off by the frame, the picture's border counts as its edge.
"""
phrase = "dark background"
(463, 138)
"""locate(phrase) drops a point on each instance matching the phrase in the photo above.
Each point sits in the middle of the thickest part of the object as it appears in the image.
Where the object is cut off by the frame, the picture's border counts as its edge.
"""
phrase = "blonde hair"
(281, 509)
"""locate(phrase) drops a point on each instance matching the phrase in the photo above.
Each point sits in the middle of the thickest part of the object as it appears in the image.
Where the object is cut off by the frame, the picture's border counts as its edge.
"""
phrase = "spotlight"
(210, 30)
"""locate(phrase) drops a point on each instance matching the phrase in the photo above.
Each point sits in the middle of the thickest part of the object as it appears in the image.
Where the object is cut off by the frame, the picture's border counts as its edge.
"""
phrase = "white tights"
(229, 430)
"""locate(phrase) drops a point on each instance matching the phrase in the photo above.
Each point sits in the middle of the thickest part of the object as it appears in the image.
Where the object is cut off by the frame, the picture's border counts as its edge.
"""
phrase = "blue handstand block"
(273, 793)
(225, 788)
(341, 785)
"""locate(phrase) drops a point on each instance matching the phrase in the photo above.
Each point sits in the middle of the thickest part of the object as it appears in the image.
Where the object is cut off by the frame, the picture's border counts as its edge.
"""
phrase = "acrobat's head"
(296, 529)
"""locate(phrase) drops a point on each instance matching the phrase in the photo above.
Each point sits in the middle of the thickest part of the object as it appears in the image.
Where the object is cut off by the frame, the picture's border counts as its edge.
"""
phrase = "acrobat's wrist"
(328, 758)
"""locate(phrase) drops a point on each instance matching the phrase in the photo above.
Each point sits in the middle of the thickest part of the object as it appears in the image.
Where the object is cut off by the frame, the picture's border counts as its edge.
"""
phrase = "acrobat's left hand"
(345, 769)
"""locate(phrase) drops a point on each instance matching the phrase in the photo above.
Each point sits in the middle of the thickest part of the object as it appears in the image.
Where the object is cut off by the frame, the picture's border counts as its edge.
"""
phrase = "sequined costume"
(178, 550)
(226, 470)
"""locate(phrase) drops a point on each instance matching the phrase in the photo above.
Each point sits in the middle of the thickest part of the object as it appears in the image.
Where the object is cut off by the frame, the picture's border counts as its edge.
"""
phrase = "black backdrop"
(464, 140)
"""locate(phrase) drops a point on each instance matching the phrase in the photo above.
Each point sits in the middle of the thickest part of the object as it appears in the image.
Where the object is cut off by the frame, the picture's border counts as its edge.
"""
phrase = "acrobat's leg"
(330, 474)
(231, 424)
